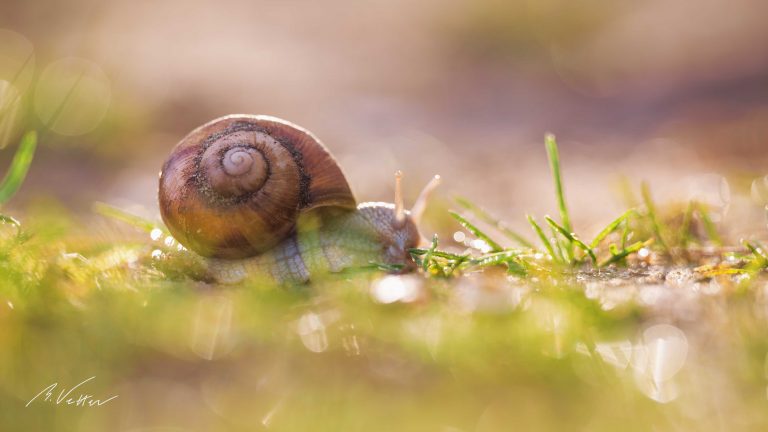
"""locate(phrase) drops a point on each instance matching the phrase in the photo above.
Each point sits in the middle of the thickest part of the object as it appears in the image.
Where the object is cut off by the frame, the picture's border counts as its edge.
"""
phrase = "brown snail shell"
(235, 186)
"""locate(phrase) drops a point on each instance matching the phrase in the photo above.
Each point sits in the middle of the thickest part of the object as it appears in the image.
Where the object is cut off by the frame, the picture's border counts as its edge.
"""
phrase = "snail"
(257, 195)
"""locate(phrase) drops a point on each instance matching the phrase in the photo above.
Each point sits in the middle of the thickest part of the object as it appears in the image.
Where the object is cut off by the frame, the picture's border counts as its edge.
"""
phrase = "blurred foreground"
(647, 348)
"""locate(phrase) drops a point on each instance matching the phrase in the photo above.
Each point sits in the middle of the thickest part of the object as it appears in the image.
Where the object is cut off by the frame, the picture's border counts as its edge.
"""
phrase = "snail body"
(260, 196)
(326, 242)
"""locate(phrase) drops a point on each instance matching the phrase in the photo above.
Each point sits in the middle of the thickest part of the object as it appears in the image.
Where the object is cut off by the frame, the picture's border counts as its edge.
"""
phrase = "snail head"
(395, 227)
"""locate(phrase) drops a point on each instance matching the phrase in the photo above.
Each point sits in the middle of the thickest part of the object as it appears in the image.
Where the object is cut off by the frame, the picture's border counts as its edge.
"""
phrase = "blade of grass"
(508, 258)
(19, 167)
(719, 271)
(121, 215)
(428, 256)
(495, 247)
(493, 258)
(554, 165)
(709, 226)
(572, 238)
(437, 253)
(454, 264)
(625, 234)
(444, 262)
(537, 229)
(486, 217)
(611, 227)
(651, 207)
(685, 227)
(26, 151)
(634, 247)
(758, 251)
(559, 247)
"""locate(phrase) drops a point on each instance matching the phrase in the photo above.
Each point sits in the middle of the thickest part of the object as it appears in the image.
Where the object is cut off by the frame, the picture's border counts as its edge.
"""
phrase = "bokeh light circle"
(17, 59)
(72, 96)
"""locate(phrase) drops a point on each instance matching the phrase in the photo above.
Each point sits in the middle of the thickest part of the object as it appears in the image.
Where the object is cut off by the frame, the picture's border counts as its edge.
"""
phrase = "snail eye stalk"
(399, 204)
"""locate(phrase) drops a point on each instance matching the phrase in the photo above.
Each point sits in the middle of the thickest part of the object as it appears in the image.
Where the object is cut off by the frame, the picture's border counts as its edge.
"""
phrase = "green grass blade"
(428, 256)
(554, 165)
(488, 218)
(624, 253)
(559, 247)
(757, 250)
(121, 215)
(495, 247)
(493, 258)
(649, 204)
(19, 167)
(583, 246)
(437, 253)
(445, 263)
(625, 234)
(507, 258)
(573, 239)
(709, 226)
(543, 237)
(685, 227)
(611, 227)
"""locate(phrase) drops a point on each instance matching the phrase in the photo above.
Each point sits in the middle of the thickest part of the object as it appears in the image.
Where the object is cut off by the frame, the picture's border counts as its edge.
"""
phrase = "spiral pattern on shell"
(235, 187)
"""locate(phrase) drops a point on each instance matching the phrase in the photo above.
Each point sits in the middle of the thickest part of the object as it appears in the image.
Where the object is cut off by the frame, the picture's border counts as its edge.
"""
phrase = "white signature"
(82, 399)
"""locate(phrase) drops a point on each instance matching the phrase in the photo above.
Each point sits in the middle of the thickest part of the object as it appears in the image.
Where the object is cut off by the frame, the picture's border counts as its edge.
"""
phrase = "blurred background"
(674, 92)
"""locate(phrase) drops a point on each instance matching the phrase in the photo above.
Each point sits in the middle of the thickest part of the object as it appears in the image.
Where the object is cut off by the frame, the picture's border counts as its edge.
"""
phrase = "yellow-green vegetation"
(673, 239)
(566, 335)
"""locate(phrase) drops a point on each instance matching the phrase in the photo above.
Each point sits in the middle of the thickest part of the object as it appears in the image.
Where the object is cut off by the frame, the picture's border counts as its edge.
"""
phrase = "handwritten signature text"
(69, 397)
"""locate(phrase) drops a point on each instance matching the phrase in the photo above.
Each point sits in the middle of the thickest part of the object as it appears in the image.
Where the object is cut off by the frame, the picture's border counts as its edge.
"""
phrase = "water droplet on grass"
(155, 234)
